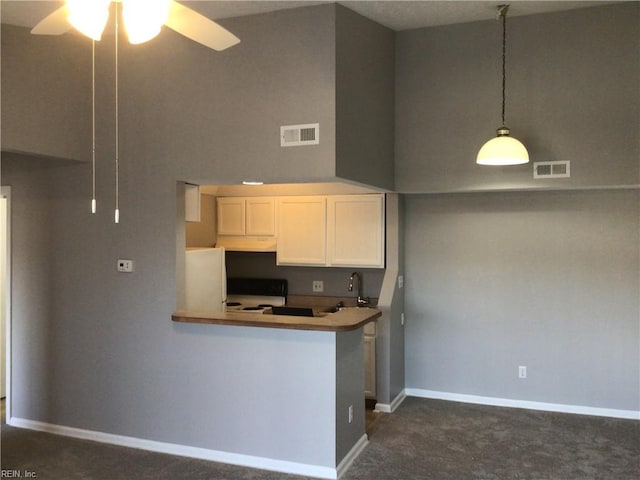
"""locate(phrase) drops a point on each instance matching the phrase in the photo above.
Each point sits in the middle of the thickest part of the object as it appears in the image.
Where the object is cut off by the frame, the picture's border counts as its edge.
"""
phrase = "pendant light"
(503, 149)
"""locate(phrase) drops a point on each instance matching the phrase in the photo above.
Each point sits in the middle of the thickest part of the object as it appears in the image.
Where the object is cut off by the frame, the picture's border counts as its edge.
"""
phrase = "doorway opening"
(5, 301)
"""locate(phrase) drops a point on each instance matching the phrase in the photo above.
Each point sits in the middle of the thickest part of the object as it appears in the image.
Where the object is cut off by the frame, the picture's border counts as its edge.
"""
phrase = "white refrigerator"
(205, 280)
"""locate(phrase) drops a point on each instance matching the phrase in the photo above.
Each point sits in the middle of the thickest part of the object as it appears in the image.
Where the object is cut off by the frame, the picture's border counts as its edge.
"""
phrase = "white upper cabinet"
(355, 230)
(246, 216)
(192, 202)
(340, 230)
(231, 216)
(302, 230)
(260, 216)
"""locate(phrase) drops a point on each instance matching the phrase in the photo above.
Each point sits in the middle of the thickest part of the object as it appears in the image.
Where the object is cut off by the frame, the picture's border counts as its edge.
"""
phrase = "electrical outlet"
(318, 286)
(350, 413)
(400, 281)
(522, 372)
(125, 266)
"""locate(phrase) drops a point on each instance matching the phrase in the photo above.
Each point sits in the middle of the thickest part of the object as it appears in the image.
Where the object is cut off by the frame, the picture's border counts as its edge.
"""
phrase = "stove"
(255, 295)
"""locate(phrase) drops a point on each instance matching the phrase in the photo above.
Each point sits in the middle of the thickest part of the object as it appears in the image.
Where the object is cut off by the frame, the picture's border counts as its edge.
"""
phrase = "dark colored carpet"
(422, 440)
(431, 439)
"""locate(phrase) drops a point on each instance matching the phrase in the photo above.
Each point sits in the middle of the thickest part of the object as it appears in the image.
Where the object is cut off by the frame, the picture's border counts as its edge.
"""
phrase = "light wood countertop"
(347, 319)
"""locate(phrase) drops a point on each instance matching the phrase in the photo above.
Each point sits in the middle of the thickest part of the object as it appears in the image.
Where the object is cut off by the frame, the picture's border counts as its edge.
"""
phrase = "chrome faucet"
(361, 301)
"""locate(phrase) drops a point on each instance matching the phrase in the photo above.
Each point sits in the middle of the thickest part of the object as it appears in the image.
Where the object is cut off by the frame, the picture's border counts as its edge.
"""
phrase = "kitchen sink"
(329, 311)
(338, 308)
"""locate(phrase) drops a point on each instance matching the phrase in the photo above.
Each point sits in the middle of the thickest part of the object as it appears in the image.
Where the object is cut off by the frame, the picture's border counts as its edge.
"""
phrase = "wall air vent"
(297, 135)
(552, 169)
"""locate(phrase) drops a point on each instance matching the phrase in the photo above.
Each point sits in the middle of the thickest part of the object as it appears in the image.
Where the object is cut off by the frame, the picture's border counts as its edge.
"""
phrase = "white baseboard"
(506, 402)
(194, 452)
(352, 455)
(391, 407)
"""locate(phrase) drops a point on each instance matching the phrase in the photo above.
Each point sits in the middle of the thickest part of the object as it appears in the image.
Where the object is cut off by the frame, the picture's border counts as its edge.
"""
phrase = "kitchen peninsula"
(350, 318)
(291, 391)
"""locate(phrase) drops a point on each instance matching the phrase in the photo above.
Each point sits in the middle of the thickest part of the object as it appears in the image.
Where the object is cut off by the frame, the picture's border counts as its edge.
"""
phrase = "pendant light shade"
(503, 149)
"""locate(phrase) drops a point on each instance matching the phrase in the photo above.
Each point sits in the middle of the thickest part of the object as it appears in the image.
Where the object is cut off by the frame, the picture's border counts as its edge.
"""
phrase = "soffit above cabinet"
(327, 188)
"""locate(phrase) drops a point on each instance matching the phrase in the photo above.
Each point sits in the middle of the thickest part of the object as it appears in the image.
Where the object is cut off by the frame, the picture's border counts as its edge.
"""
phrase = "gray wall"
(218, 114)
(545, 280)
(214, 116)
(397, 329)
(389, 328)
(349, 366)
(32, 182)
(364, 100)
(99, 349)
(202, 116)
(572, 94)
(46, 93)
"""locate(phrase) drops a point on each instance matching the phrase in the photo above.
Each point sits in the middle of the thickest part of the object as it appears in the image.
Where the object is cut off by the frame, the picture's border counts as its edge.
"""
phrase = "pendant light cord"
(117, 146)
(503, 13)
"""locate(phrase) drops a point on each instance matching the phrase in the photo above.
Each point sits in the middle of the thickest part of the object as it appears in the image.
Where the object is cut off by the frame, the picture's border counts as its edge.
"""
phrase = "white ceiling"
(395, 14)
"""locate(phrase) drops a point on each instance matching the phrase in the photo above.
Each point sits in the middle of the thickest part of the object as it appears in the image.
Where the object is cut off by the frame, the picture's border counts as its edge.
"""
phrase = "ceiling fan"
(142, 18)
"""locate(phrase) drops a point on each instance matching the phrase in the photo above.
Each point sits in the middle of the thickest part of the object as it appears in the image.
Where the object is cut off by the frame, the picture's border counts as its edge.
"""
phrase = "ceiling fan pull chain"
(93, 126)
(117, 159)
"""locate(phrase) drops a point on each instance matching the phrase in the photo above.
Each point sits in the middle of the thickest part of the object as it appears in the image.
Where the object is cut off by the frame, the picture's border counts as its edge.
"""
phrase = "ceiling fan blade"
(53, 24)
(199, 28)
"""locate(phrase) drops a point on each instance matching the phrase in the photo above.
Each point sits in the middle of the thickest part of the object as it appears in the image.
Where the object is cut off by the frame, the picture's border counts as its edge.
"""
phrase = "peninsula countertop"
(349, 318)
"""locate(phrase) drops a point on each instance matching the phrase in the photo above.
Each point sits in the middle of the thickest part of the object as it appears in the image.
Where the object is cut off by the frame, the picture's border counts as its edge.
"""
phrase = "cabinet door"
(301, 230)
(192, 203)
(260, 216)
(356, 230)
(370, 366)
(231, 216)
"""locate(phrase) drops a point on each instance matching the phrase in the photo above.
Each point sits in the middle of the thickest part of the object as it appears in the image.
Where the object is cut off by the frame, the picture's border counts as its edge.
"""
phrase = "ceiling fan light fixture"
(89, 17)
(143, 19)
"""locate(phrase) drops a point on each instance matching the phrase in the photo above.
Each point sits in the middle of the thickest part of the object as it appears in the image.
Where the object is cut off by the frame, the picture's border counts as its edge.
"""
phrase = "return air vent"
(297, 135)
(552, 169)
